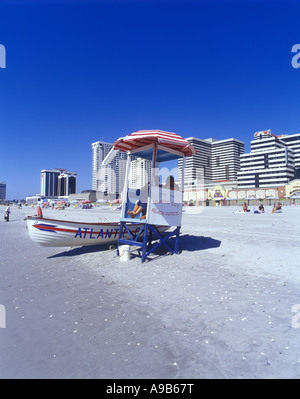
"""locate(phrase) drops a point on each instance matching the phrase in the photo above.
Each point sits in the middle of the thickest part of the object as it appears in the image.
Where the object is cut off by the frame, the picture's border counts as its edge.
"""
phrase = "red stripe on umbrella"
(143, 137)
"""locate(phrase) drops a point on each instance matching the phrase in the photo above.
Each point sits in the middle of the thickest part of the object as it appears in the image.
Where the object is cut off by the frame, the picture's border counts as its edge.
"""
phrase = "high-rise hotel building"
(100, 150)
(140, 172)
(293, 141)
(214, 160)
(58, 183)
(271, 161)
(2, 190)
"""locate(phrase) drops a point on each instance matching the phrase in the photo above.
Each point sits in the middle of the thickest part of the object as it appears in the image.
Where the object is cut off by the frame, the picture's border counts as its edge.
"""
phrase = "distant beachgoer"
(277, 207)
(261, 208)
(7, 212)
(245, 207)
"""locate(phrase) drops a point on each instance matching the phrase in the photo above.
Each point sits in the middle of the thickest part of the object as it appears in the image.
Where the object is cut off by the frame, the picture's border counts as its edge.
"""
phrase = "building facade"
(214, 160)
(58, 182)
(109, 170)
(269, 163)
(140, 172)
(100, 150)
(67, 184)
(2, 191)
(293, 141)
(228, 194)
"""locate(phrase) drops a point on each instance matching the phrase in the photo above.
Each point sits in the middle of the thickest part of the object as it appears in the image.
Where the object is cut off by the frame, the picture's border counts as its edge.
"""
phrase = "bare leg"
(133, 212)
(136, 210)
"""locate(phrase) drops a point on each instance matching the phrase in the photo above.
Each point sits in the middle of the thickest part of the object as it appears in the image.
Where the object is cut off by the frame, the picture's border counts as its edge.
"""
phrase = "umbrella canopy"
(60, 202)
(143, 138)
(84, 202)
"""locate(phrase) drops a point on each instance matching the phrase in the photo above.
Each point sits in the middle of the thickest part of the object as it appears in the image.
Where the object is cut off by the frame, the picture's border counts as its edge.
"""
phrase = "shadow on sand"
(187, 242)
(88, 249)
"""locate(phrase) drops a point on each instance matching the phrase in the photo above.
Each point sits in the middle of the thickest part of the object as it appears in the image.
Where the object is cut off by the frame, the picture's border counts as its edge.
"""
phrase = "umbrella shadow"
(190, 242)
(187, 242)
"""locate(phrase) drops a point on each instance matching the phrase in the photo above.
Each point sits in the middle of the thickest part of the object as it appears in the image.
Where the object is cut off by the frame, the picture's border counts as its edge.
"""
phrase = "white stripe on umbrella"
(143, 137)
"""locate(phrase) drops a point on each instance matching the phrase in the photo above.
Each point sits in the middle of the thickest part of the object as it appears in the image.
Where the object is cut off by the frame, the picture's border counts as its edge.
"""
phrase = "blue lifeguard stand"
(164, 202)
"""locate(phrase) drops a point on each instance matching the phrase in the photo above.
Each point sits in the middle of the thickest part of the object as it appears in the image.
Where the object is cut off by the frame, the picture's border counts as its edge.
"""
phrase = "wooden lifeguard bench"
(164, 204)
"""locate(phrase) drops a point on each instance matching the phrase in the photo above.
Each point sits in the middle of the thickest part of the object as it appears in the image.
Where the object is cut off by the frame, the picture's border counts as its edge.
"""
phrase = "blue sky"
(82, 71)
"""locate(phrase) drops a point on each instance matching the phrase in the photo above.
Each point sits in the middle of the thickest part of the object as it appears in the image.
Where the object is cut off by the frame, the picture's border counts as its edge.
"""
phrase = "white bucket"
(124, 253)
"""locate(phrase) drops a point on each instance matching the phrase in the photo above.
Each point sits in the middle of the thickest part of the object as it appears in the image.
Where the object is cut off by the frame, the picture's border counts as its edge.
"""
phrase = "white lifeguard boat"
(66, 233)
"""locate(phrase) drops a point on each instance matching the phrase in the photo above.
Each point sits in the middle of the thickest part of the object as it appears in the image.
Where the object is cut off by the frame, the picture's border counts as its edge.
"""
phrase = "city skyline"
(78, 72)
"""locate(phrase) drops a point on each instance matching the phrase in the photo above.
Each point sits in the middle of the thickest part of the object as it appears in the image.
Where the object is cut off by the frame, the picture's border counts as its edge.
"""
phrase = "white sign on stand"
(164, 207)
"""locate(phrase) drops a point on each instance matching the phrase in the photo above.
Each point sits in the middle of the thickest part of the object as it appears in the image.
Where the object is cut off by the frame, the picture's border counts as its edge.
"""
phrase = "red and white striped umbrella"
(142, 138)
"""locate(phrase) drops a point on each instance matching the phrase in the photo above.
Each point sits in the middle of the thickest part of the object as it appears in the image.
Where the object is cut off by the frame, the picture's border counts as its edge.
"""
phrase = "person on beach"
(245, 207)
(140, 206)
(261, 208)
(277, 207)
(7, 212)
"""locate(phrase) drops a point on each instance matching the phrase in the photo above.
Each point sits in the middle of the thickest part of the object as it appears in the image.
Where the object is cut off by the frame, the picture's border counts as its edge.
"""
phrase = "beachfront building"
(109, 169)
(139, 173)
(228, 194)
(293, 141)
(57, 182)
(214, 160)
(67, 184)
(270, 162)
(100, 150)
(2, 191)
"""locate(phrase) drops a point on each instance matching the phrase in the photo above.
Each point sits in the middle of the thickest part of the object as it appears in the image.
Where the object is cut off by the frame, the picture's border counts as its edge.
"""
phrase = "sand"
(222, 308)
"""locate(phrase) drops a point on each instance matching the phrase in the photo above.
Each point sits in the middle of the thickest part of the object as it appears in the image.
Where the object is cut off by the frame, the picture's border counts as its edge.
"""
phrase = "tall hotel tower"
(214, 160)
(100, 150)
(2, 190)
(110, 178)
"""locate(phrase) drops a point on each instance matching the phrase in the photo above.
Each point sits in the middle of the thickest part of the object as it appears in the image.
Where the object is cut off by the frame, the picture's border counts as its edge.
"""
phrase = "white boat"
(65, 233)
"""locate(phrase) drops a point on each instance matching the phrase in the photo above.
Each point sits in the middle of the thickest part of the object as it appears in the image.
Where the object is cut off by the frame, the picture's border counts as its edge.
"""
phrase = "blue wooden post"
(176, 249)
(145, 243)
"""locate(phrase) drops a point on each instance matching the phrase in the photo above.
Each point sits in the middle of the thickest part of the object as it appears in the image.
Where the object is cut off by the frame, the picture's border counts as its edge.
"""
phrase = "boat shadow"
(87, 249)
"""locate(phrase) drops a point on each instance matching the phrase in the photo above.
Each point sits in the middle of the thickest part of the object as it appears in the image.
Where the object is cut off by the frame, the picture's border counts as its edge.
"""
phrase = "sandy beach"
(222, 308)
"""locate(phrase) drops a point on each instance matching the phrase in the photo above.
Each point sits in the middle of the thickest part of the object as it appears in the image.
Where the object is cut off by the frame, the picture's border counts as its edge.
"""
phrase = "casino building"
(269, 173)
(270, 163)
(58, 183)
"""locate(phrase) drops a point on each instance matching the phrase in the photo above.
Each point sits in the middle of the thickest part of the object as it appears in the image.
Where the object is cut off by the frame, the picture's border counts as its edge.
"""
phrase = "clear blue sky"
(82, 71)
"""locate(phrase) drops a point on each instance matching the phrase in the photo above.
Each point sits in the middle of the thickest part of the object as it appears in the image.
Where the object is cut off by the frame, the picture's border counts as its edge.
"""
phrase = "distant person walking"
(7, 212)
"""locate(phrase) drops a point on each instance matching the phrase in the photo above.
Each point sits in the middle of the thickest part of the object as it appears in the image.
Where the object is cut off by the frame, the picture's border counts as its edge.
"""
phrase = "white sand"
(220, 309)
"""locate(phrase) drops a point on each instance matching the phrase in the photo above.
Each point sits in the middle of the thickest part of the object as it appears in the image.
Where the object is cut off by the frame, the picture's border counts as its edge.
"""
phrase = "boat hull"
(63, 233)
